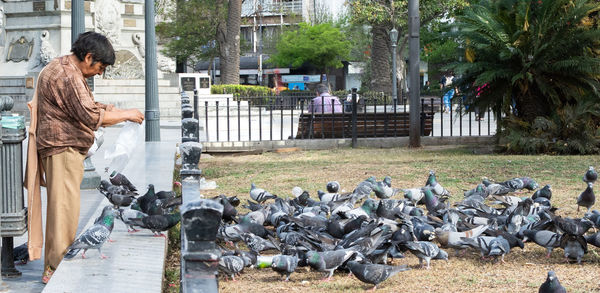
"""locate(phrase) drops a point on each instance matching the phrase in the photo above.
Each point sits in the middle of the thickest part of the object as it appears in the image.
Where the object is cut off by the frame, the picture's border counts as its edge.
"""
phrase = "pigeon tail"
(71, 253)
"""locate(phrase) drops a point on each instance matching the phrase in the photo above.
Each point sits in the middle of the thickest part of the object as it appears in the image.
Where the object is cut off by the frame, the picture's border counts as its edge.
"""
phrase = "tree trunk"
(529, 107)
(381, 80)
(228, 36)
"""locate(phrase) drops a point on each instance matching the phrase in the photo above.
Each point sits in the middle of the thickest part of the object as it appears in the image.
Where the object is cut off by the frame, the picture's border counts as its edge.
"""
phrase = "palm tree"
(534, 56)
(228, 36)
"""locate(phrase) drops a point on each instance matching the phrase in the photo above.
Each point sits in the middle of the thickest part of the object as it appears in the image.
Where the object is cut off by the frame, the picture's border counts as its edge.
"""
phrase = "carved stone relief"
(2, 33)
(126, 66)
(47, 53)
(20, 50)
(108, 19)
(138, 41)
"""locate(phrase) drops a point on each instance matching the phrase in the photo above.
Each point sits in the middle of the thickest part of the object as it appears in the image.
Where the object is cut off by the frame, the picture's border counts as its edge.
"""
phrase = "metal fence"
(278, 117)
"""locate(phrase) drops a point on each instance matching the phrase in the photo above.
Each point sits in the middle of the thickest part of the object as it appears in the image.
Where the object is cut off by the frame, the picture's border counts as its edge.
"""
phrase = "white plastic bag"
(124, 146)
(98, 140)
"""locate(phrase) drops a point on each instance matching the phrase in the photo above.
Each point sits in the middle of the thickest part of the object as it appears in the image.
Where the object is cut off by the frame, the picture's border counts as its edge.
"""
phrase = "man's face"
(89, 68)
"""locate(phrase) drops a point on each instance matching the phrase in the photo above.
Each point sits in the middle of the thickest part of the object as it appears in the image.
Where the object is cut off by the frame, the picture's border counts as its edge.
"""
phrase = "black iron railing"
(294, 116)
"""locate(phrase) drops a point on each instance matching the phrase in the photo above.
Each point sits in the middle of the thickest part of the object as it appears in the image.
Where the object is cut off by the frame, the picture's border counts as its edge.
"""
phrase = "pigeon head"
(104, 184)
(388, 181)
(108, 215)
(442, 255)
(431, 179)
(234, 201)
(333, 186)
(369, 206)
(314, 259)
(417, 212)
(303, 198)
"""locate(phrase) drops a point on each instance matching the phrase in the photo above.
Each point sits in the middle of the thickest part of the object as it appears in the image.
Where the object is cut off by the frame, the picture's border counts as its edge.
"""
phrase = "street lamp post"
(394, 40)
(414, 131)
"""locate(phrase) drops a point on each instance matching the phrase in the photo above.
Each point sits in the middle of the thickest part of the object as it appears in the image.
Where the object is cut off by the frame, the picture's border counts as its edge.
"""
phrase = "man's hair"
(96, 44)
(322, 88)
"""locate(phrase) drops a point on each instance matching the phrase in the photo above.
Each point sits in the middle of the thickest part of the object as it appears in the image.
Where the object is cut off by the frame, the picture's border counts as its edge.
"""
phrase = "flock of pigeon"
(155, 211)
(334, 233)
(358, 233)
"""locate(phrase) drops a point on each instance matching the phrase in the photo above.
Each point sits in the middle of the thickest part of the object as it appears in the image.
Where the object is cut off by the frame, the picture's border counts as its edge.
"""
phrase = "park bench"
(379, 124)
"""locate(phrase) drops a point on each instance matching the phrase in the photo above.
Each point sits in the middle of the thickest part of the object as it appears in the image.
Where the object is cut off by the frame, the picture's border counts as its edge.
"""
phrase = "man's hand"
(134, 115)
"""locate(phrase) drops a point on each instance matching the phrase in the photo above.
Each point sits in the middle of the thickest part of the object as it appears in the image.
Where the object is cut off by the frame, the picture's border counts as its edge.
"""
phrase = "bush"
(571, 130)
(241, 90)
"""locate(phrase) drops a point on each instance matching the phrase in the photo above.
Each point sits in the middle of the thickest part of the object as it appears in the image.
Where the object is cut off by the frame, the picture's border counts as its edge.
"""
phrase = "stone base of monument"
(91, 178)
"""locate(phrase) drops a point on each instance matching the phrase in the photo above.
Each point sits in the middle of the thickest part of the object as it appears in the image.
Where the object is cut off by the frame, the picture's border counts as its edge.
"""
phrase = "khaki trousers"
(64, 173)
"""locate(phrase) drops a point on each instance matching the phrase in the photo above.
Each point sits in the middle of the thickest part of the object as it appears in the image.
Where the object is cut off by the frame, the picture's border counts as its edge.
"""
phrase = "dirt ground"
(457, 170)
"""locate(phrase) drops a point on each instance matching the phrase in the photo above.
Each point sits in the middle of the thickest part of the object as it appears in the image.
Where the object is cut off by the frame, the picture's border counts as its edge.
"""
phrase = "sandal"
(47, 275)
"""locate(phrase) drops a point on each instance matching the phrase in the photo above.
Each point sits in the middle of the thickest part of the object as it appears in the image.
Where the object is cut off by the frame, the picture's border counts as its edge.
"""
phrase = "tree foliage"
(537, 61)
(321, 45)
(382, 16)
(535, 54)
(191, 32)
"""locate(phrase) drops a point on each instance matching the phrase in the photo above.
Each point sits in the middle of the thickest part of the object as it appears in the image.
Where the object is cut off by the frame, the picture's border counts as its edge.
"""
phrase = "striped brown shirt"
(67, 112)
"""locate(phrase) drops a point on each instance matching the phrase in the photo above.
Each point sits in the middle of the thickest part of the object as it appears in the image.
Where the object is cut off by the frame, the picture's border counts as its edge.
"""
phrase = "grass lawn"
(457, 169)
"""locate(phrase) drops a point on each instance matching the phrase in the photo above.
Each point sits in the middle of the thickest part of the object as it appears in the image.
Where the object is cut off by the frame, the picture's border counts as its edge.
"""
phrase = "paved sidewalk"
(135, 262)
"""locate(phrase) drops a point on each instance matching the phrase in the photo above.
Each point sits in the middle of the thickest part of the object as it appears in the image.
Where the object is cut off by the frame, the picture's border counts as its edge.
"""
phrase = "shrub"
(572, 129)
(241, 90)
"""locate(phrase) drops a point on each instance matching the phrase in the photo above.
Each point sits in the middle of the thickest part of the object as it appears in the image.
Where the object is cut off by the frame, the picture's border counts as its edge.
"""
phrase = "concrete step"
(128, 82)
(132, 90)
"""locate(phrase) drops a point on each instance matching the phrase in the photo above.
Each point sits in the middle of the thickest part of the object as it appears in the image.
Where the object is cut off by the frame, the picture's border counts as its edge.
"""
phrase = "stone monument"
(32, 33)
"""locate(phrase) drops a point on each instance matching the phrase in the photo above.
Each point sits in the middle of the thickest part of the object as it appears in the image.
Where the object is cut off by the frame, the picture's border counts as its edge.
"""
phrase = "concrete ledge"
(321, 144)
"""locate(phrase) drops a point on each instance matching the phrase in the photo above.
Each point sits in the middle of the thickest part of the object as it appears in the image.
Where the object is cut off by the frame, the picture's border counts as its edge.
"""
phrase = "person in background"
(479, 113)
(427, 86)
(443, 81)
(324, 102)
(64, 117)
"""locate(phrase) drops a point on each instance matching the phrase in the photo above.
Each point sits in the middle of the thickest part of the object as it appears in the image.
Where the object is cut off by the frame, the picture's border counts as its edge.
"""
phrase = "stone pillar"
(77, 19)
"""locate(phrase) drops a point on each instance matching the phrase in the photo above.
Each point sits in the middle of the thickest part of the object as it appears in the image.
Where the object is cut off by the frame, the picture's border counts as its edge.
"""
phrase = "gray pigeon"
(383, 189)
(374, 273)
(95, 235)
(126, 215)
(260, 195)
(257, 244)
(333, 186)
(544, 238)
(425, 250)
(158, 223)
(415, 195)
(590, 175)
(436, 187)
(329, 261)
(119, 179)
(552, 285)
(499, 246)
(593, 239)
(364, 189)
(587, 198)
(284, 264)
(21, 254)
(575, 246)
(231, 265)
(545, 191)
(453, 239)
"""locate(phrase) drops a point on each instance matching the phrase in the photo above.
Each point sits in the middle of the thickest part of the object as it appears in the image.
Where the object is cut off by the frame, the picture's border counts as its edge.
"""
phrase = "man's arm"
(117, 115)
